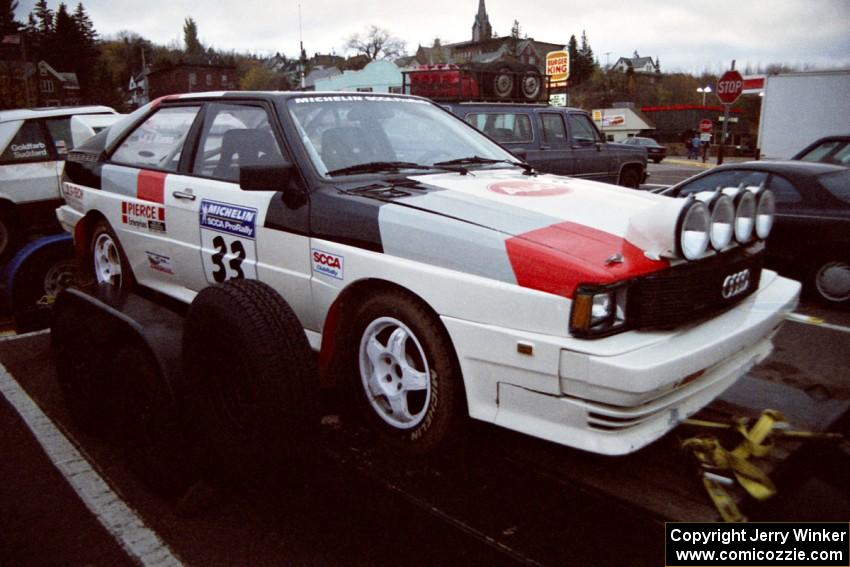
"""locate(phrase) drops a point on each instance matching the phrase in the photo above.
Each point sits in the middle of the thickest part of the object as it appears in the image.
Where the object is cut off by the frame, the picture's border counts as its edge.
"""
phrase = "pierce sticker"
(159, 263)
(328, 264)
(144, 216)
(527, 189)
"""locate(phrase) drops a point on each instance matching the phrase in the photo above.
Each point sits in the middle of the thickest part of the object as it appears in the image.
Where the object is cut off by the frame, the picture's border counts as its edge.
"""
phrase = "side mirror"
(265, 177)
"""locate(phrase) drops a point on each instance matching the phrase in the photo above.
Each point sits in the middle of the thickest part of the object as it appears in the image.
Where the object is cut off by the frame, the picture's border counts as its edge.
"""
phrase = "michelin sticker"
(328, 264)
(228, 241)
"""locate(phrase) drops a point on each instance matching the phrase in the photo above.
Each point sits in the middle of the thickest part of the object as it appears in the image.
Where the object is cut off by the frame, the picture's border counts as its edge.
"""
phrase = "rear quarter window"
(504, 127)
(27, 145)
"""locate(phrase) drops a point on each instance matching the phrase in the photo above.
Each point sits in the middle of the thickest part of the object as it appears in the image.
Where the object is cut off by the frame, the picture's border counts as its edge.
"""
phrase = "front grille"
(693, 290)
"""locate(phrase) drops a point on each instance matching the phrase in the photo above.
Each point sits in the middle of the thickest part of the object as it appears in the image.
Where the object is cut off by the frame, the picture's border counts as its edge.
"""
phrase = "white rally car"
(435, 273)
(33, 146)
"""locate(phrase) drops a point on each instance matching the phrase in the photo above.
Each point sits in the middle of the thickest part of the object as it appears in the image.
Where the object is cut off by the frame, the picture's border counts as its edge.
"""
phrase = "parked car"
(559, 140)
(832, 149)
(437, 275)
(654, 150)
(811, 238)
(33, 147)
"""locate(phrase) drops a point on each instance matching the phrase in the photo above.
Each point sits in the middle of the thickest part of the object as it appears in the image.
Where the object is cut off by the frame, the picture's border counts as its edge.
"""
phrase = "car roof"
(51, 111)
(789, 168)
(820, 141)
(278, 95)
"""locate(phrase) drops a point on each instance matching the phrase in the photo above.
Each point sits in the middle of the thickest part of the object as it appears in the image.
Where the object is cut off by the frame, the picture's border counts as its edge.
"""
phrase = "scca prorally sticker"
(227, 218)
(228, 241)
(328, 264)
(143, 215)
(527, 189)
(159, 263)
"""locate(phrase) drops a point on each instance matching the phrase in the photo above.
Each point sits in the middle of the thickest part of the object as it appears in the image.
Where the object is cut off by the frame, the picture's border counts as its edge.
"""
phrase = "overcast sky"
(686, 36)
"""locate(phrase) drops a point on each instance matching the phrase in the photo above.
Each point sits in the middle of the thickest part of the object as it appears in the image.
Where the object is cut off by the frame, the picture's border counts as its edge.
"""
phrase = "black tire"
(82, 351)
(503, 84)
(10, 233)
(250, 379)
(657, 160)
(38, 282)
(433, 414)
(829, 281)
(105, 249)
(531, 86)
(630, 177)
(158, 448)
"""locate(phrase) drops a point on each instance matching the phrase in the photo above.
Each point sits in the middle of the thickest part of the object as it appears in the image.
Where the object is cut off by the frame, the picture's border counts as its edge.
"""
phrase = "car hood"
(601, 232)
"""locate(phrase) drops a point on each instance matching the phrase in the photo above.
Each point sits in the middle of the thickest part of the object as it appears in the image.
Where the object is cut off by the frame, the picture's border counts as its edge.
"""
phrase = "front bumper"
(616, 395)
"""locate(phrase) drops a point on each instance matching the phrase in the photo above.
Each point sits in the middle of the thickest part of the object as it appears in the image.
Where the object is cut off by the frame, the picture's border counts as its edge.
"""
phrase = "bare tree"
(376, 43)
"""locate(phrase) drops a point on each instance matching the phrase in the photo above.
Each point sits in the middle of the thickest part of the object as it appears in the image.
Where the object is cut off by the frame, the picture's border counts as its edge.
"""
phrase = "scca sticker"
(138, 215)
(328, 264)
(160, 263)
(527, 189)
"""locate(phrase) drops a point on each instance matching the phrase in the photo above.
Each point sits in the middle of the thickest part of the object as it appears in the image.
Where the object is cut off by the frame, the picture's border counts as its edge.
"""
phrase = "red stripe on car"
(151, 186)
(557, 258)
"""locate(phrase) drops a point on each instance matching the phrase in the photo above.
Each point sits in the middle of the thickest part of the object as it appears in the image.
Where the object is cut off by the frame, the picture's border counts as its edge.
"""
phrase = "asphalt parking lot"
(501, 498)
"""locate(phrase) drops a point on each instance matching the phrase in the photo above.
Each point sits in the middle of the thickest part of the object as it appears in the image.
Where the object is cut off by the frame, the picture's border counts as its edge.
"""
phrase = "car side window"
(784, 190)
(554, 132)
(582, 129)
(28, 145)
(60, 131)
(158, 141)
(233, 136)
(503, 127)
(728, 178)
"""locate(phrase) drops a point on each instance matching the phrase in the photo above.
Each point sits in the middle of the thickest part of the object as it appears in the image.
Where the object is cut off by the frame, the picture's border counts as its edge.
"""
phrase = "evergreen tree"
(84, 25)
(572, 50)
(44, 17)
(192, 44)
(585, 62)
(8, 23)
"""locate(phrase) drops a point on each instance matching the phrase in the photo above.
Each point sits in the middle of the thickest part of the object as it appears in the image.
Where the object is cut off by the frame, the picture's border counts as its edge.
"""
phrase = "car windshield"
(837, 152)
(385, 133)
(838, 184)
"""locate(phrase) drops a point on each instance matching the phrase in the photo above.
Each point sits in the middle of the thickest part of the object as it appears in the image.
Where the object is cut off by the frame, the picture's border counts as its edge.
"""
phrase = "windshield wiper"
(528, 169)
(376, 166)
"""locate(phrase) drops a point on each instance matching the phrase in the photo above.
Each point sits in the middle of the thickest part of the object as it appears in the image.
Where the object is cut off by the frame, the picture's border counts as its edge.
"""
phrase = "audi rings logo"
(736, 283)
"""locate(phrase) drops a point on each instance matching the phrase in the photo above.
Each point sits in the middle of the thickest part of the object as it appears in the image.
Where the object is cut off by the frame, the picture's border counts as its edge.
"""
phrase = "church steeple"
(481, 30)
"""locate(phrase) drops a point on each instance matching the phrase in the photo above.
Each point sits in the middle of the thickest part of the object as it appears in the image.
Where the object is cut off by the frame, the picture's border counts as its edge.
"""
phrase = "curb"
(693, 163)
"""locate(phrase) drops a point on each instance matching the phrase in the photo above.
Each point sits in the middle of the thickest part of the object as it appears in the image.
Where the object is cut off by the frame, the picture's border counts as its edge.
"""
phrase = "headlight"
(722, 210)
(765, 212)
(599, 310)
(693, 230)
(745, 212)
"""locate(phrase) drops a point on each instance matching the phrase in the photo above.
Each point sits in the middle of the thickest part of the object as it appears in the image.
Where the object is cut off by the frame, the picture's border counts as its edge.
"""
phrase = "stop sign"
(729, 87)
(705, 125)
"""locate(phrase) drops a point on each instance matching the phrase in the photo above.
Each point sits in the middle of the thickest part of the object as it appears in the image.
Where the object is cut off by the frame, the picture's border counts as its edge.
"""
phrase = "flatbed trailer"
(535, 502)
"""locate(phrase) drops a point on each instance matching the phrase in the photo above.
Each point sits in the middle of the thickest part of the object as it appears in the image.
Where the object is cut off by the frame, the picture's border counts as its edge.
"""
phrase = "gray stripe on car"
(120, 179)
(445, 242)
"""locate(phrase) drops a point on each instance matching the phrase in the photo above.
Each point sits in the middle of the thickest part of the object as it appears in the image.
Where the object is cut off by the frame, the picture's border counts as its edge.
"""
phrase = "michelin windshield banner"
(757, 544)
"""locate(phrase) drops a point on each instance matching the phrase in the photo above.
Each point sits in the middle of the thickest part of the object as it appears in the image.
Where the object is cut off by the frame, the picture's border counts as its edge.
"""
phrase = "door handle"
(183, 195)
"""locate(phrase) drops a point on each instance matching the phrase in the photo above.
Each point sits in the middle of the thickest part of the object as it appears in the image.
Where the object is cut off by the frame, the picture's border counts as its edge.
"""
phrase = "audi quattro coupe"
(436, 274)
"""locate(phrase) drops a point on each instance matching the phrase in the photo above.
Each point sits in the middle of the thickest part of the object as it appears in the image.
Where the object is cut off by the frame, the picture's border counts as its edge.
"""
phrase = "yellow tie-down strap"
(757, 442)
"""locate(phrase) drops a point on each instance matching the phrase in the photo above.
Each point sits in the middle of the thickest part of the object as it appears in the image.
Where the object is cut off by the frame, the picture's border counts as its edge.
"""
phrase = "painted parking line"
(141, 543)
(816, 321)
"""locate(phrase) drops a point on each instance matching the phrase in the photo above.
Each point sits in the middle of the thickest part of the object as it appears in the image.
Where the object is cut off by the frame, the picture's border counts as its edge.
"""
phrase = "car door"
(219, 230)
(555, 152)
(592, 157)
(135, 180)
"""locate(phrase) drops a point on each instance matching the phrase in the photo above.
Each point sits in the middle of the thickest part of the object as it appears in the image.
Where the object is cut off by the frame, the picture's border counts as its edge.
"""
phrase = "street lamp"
(704, 90)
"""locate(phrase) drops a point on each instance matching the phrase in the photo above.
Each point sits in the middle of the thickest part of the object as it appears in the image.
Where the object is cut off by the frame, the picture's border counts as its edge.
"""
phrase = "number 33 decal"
(220, 273)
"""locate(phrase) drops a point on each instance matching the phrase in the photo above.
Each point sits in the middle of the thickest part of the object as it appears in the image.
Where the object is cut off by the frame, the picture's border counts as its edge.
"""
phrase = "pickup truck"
(558, 140)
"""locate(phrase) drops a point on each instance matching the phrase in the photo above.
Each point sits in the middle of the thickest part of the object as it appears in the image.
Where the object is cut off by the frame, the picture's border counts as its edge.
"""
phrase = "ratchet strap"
(757, 442)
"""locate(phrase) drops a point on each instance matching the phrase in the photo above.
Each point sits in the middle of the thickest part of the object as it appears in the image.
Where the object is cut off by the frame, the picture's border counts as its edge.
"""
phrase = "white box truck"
(799, 108)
